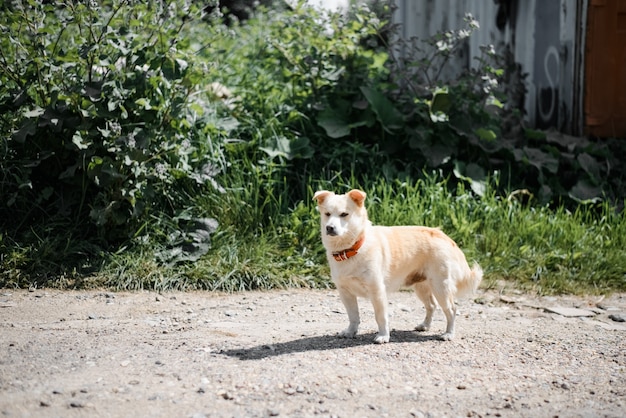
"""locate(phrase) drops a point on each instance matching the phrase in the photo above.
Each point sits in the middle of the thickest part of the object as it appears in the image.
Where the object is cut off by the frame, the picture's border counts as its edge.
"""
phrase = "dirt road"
(65, 354)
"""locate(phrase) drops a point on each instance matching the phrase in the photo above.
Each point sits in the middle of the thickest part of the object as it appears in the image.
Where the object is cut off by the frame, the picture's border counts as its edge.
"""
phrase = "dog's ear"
(357, 196)
(321, 195)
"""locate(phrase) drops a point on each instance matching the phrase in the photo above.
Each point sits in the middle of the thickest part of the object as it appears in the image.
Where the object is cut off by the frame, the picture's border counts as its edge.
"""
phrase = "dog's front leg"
(352, 307)
(379, 302)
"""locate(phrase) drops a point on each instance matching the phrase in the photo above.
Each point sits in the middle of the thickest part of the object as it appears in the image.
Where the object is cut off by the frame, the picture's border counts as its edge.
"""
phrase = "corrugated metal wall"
(544, 36)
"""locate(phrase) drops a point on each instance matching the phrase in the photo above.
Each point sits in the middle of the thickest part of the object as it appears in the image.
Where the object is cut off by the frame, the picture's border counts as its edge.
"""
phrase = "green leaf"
(534, 134)
(441, 101)
(227, 124)
(585, 192)
(190, 241)
(389, 117)
(493, 101)
(590, 165)
(474, 174)
(145, 103)
(47, 192)
(335, 125)
(486, 134)
(34, 113)
(301, 148)
(541, 159)
(278, 146)
(29, 127)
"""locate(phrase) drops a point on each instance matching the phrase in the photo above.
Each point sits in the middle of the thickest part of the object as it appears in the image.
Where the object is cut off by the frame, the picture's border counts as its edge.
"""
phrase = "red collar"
(350, 252)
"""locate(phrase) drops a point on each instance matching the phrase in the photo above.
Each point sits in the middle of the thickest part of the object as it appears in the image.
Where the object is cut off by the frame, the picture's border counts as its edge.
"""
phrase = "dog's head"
(343, 217)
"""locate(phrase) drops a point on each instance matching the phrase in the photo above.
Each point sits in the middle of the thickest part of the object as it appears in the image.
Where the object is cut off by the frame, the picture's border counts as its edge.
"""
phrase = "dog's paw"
(381, 339)
(446, 336)
(347, 333)
(422, 327)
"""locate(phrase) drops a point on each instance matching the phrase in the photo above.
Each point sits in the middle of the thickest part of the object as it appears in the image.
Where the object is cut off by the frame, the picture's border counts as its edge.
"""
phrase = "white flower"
(115, 127)
(473, 23)
(464, 33)
(442, 46)
(161, 169)
(130, 141)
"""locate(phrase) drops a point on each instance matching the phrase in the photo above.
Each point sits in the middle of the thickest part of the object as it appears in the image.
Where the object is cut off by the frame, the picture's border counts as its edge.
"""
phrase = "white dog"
(368, 261)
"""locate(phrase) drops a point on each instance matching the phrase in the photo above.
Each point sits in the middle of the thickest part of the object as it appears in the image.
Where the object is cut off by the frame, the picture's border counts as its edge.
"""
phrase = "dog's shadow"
(322, 343)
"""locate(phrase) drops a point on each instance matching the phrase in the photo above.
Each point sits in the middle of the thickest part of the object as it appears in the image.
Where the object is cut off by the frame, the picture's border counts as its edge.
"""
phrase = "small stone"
(570, 312)
(289, 391)
(617, 318)
(417, 413)
(75, 404)
(461, 387)
(225, 395)
(44, 403)
(480, 301)
(273, 412)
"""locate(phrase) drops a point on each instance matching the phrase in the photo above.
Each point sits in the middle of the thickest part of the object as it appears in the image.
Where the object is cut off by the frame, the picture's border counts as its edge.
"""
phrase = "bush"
(104, 118)
(297, 77)
(320, 95)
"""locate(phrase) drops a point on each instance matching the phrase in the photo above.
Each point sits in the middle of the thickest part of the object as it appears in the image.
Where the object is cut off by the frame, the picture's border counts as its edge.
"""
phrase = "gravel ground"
(66, 354)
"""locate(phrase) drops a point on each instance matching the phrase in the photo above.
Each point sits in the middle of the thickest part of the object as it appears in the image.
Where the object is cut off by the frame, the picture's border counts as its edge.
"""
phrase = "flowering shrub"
(104, 117)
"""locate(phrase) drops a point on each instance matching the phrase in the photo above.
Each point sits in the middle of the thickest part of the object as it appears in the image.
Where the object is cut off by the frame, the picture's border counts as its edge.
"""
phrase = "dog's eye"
(327, 214)
(344, 214)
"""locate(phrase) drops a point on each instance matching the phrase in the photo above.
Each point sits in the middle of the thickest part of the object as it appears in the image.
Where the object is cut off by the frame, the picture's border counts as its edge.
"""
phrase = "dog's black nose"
(330, 230)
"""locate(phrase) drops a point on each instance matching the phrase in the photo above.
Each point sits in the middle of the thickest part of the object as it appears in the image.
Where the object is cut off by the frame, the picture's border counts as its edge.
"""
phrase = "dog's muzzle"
(330, 230)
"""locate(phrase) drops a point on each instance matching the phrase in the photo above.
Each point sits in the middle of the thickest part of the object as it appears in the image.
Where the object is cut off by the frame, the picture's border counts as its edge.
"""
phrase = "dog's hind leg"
(352, 308)
(424, 293)
(444, 296)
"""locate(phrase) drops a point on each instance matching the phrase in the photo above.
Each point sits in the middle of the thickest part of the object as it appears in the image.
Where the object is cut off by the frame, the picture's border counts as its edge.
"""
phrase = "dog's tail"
(468, 285)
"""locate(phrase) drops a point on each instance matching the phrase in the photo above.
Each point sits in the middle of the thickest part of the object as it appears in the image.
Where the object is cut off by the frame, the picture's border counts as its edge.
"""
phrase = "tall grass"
(532, 247)
(265, 241)
(535, 248)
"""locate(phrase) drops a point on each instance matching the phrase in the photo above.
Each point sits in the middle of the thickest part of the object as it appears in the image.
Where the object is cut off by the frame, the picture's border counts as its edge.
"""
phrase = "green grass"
(533, 248)
(263, 243)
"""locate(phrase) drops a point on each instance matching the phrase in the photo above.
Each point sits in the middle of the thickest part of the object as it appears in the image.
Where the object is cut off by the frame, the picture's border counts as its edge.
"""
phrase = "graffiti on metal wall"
(547, 101)
(547, 65)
